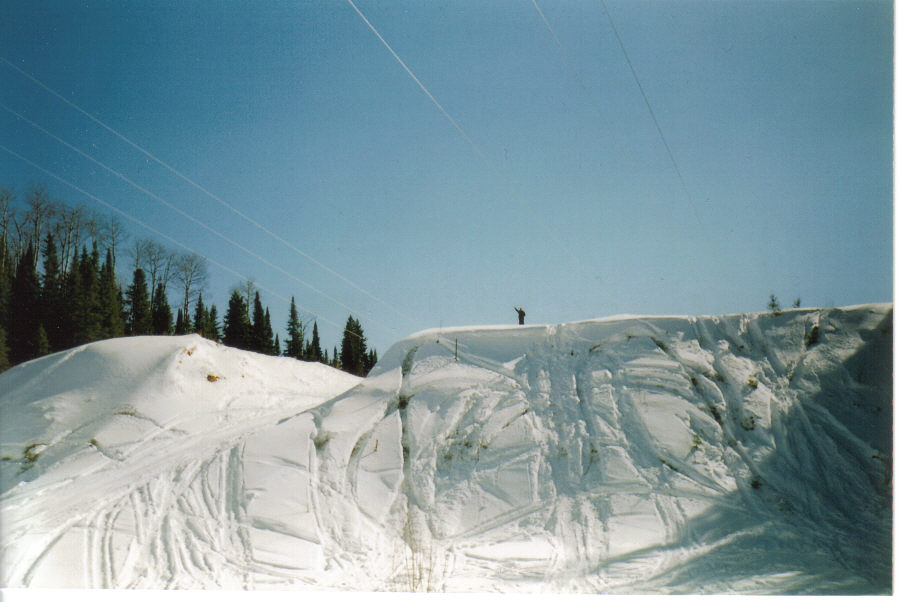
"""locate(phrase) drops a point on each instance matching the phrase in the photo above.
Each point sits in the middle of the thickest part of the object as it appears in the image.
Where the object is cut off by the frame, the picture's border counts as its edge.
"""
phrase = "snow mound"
(746, 454)
(103, 447)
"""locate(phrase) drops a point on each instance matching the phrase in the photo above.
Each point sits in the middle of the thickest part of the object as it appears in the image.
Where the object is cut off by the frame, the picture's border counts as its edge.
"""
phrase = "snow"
(722, 454)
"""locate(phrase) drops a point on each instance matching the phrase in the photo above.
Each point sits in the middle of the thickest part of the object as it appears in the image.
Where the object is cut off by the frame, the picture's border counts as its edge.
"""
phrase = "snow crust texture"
(746, 454)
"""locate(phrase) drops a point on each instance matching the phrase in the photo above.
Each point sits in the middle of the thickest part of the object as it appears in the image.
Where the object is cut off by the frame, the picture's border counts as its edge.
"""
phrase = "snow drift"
(747, 453)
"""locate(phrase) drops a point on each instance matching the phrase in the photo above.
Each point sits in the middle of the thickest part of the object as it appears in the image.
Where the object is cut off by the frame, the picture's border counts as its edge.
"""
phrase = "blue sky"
(563, 199)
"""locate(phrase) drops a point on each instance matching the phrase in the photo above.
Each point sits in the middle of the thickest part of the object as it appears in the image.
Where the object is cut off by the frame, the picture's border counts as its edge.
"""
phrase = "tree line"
(59, 288)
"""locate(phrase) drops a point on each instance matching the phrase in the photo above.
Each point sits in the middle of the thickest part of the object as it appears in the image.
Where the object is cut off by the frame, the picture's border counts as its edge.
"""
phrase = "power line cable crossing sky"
(282, 142)
(202, 189)
(184, 214)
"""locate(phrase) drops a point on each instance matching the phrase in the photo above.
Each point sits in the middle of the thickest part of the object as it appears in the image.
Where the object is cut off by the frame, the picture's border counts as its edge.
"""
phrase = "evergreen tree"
(51, 295)
(25, 308)
(41, 341)
(370, 360)
(237, 327)
(86, 300)
(313, 349)
(160, 311)
(200, 316)
(180, 326)
(294, 344)
(111, 322)
(4, 351)
(336, 361)
(277, 344)
(267, 338)
(353, 350)
(71, 295)
(259, 343)
(140, 319)
(212, 328)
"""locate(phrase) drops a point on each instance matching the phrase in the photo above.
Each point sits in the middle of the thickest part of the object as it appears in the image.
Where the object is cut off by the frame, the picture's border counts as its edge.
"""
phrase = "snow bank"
(747, 453)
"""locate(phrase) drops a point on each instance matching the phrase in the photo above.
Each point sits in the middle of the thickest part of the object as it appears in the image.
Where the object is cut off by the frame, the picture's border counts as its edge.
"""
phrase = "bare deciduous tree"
(191, 273)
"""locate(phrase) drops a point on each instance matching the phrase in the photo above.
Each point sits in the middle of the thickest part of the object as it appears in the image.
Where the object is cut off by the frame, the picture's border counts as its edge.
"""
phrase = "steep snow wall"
(747, 453)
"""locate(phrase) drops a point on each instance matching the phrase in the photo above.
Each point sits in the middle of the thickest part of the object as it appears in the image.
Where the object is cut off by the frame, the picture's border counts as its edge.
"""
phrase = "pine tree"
(71, 295)
(160, 311)
(335, 362)
(313, 349)
(258, 329)
(86, 300)
(138, 301)
(41, 341)
(180, 326)
(212, 328)
(200, 316)
(4, 351)
(353, 349)
(277, 344)
(25, 308)
(370, 360)
(111, 323)
(267, 338)
(237, 327)
(294, 344)
(51, 295)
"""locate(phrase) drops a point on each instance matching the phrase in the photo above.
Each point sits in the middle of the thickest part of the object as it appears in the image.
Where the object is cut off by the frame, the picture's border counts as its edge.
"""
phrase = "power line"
(576, 73)
(473, 145)
(169, 238)
(199, 187)
(654, 117)
(186, 215)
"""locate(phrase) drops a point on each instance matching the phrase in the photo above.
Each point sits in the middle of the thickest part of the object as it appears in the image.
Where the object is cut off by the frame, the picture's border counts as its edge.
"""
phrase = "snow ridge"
(730, 454)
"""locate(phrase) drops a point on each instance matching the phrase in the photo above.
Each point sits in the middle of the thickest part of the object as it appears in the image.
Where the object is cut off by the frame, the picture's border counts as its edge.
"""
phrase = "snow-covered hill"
(747, 453)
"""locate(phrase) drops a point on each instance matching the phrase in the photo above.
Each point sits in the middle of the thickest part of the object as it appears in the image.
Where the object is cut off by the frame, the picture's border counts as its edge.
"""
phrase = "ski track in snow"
(733, 454)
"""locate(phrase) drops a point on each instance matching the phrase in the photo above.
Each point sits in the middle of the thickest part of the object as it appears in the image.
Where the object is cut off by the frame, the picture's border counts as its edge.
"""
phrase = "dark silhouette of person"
(520, 315)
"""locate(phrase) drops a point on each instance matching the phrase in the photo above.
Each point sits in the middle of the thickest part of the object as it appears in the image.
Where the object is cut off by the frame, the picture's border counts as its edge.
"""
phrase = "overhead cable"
(202, 189)
(187, 215)
(654, 117)
(474, 146)
(576, 73)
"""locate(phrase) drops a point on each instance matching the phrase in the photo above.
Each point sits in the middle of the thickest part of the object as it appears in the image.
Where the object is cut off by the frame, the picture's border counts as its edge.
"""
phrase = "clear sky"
(554, 188)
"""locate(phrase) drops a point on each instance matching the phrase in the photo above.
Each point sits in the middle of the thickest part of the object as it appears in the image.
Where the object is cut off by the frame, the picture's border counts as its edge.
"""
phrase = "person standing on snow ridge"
(520, 315)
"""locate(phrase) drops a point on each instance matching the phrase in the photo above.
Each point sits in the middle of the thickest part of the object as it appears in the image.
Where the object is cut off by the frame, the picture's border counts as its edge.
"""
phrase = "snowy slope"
(747, 453)
(137, 444)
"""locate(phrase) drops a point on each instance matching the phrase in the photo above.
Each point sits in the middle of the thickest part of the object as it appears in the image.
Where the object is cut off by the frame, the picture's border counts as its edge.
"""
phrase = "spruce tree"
(51, 295)
(353, 350)
(313, 349)
(71, 294)
(267, 338)
(277, 344)
(86, 300)
(370, 360)
(200, 317)
(293, 347)
(212, 328)
(4, 350)
(161, 311)
(140, 319)
(111, 323)
(180, 326)
(258, 330)
(237, 327)
(25, 308)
